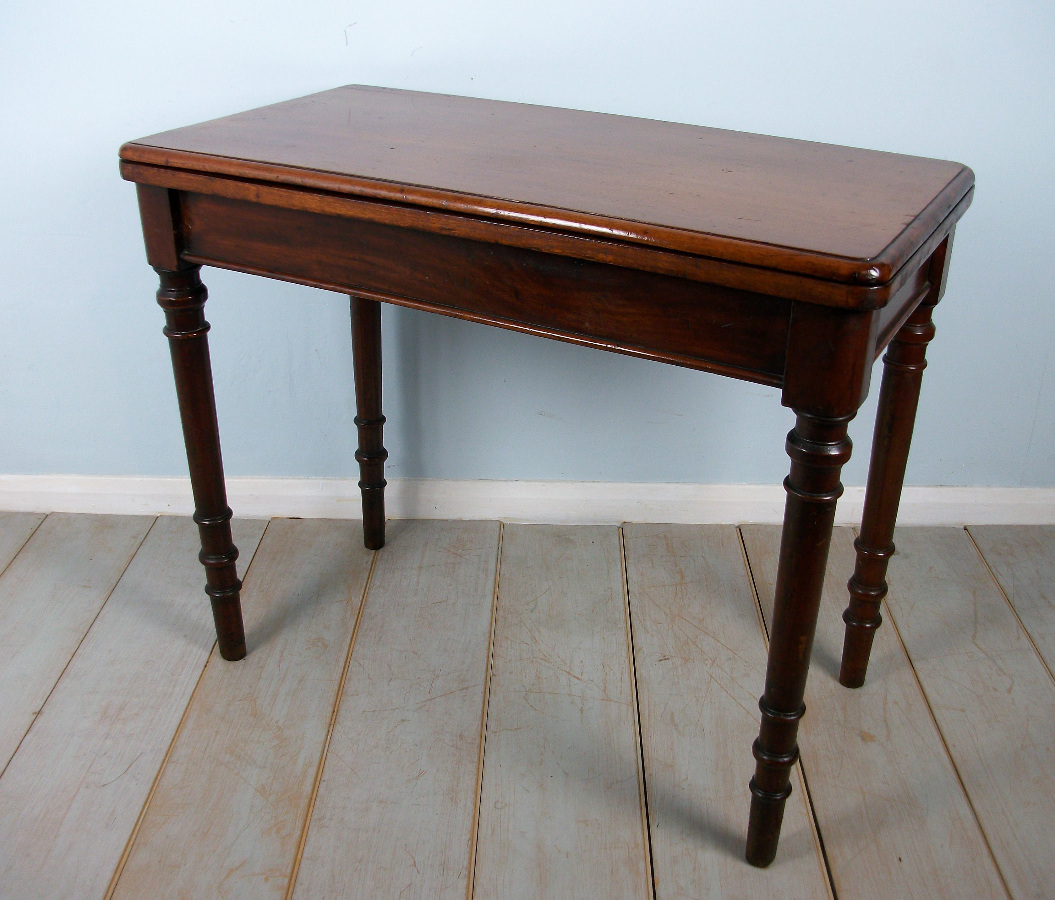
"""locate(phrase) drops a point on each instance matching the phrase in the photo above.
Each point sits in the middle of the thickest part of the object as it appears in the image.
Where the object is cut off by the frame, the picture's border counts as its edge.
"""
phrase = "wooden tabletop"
(798, 207)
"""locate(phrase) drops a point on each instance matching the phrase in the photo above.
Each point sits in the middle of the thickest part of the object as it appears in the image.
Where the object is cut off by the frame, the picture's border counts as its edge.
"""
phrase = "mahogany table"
(783, 262)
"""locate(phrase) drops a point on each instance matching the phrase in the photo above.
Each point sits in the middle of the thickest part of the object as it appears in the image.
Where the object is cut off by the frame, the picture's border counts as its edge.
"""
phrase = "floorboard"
(561, 812)
(701, 660)
(49, 596)
(482, 710)
(395, 813)
(227, 815)
(893, 815)
(990, 692)
(1022, 559)
(74, 790)
(15, 529)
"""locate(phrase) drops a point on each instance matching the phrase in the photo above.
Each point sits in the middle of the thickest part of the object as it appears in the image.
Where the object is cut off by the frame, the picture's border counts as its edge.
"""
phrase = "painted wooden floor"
(511, 711)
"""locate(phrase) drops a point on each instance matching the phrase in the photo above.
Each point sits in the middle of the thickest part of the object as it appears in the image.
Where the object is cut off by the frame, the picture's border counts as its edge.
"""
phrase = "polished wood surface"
(782, 262)
(818, 448)
(674, 320)
(784, 204)
(182, 295)
(369, 421)
(903, 368)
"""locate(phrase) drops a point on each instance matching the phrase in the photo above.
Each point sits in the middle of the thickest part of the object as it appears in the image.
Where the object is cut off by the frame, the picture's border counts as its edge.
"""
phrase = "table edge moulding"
(783, 262)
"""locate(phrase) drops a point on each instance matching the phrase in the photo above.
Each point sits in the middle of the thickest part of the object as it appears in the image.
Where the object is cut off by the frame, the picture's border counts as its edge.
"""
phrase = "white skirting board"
(582, 502)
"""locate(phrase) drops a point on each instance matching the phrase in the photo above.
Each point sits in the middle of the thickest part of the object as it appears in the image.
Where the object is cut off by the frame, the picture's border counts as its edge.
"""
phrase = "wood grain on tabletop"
(684, 187)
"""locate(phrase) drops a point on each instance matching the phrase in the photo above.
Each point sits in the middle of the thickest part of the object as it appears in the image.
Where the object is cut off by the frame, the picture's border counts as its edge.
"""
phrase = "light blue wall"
(85, 384)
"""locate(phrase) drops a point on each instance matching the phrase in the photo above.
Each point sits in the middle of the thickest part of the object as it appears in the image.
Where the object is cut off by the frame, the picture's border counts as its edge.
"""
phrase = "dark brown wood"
(903, 368)
(675, 320)
(182, 296)
(598, 249)
(829, 360)
(696, 190)
(371, 455)
(161, 226)
(818, 448)
(782, 262)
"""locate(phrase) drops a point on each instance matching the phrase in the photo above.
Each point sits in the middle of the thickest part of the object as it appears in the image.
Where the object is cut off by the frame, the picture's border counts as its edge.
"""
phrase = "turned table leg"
(903, 367)
(366, 359)
(818, 448)
(182, 296)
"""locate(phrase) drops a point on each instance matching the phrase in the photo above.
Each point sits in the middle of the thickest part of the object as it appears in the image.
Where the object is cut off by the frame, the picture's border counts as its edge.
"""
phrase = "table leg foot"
(818, 448)
(222, 583)
(903, 367)
(182, 296)
(371, 455)
(767, 806)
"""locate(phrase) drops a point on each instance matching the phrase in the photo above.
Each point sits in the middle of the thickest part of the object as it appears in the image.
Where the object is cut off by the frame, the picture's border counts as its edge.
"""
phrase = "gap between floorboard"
(815, 824)
(119, 868)
(329, 732)
(1005, 813)
(641, 776)
(478, 794)
(80, 640)
(1010, 605)
(891, 620)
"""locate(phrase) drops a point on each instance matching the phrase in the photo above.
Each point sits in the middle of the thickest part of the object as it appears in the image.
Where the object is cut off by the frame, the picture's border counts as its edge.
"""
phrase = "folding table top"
(797, 207)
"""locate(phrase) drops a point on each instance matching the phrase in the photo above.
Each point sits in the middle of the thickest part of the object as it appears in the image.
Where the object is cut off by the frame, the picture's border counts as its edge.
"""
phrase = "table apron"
(674, 320)
(891, 317)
